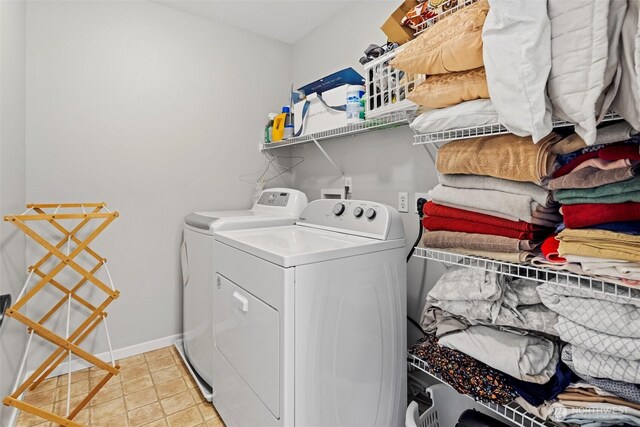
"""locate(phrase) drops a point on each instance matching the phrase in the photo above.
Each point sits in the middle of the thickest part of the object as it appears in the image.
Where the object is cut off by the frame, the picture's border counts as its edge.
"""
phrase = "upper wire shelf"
(527, 271)
(459, 4)
(486, 130)
(386, 122)
(512, 411)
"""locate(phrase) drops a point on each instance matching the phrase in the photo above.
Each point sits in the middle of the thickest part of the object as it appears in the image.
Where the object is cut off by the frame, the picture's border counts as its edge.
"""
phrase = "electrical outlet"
(415, 200)
(403, 202)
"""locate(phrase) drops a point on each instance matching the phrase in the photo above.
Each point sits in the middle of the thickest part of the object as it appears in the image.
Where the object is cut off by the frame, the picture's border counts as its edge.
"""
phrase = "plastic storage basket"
(447, 406)
(387, 88)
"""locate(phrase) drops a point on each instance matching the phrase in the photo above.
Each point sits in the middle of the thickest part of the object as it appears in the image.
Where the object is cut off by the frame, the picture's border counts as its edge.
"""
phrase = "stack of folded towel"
(491, 200)
(598, 188)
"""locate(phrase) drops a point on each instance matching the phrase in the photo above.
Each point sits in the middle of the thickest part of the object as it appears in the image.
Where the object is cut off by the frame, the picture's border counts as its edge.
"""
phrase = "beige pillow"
(452, 44)
(445, 90)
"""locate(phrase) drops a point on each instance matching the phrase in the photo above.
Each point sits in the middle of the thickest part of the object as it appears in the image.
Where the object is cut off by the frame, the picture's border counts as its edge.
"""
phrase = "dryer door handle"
(244, 302)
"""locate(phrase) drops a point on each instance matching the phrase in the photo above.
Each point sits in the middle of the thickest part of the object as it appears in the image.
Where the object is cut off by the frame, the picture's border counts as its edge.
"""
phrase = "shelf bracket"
(326, 155)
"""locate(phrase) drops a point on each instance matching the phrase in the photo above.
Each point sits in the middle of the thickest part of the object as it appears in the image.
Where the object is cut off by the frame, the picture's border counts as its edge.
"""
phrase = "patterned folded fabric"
(599, 342)
(482, 297)
(625, 390)
(592, 177)
(504, 156)
(599, 244)
(598, 365)
(607, 317)
(465, 374)
(483, 242)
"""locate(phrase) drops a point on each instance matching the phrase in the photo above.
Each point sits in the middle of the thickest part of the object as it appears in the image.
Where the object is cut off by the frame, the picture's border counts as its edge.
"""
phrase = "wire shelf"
(486, 130)
(512, 411)
(387, 122)
(527, 271)
(430, 22)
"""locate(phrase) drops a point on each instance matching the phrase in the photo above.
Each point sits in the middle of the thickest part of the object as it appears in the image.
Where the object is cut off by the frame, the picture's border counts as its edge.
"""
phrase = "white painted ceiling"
(284, 20)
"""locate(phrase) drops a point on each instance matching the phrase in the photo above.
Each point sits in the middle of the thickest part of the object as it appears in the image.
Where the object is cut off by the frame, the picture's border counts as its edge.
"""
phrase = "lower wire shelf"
(512, 411)
(531, 272)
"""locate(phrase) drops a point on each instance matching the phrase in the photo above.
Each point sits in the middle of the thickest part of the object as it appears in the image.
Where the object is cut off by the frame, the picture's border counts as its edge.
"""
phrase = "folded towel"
(614, 133)
(592, 177)
(449, 224)
(483, 242)
(628, 227)
(598, 244)
(604, 164)
(503, 156)
(534, 219)
(526, 357)
(569, 167)
(435, 210)
(513, 206)
(510, 257)
(480, 182)
(587, 214)
(616, 192)
(631, 152)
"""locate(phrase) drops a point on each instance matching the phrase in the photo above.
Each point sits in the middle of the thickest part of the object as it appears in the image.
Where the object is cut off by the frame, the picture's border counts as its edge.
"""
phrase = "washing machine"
(309, 320)
(274, 207)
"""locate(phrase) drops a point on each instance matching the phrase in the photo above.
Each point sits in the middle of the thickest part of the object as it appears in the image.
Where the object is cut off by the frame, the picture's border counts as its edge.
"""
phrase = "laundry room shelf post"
(67, 250)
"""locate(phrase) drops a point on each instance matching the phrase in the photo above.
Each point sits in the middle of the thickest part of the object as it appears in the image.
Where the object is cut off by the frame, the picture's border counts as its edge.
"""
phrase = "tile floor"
(153, 389)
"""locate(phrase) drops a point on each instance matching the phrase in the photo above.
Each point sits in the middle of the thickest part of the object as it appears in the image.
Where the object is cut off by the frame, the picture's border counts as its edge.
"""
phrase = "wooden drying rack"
(68, 344)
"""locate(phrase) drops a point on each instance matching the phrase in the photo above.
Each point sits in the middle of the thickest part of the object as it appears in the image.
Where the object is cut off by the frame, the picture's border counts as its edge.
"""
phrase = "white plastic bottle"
(354, 94)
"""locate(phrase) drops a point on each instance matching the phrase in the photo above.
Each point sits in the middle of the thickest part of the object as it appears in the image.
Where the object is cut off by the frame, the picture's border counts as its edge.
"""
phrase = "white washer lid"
(214, 221)
(295, 245)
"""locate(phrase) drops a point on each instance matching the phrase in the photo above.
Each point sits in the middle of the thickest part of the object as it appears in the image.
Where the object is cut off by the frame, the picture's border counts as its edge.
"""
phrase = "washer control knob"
(338, 209)
(370, 213)
(357, 212)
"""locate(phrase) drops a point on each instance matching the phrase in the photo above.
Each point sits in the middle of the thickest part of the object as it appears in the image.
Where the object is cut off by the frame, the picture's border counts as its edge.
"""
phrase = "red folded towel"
(627, 151)
(588, 214)
(562, 171)
(435, 223)
(549, 249)
(435, 210)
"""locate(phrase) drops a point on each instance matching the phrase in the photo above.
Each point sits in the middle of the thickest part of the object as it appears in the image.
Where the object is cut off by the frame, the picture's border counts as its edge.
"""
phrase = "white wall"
(156, 112)
(12, 184)
(382, 163)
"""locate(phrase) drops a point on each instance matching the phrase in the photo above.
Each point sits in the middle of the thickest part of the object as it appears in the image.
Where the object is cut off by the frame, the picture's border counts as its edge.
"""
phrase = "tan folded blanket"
(512, 257)
(585, 395)
(503, 156)
(483, 242)
(593, 177)
(599, 244)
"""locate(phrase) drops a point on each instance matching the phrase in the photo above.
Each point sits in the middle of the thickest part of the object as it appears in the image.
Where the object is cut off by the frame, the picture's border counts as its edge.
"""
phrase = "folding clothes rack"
(68, 344)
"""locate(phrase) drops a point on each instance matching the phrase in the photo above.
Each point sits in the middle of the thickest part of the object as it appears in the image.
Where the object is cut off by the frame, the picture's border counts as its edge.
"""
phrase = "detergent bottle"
(277, 131)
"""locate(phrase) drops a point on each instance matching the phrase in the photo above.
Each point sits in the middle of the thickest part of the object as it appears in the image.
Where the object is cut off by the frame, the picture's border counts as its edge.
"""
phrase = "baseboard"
(121, 353)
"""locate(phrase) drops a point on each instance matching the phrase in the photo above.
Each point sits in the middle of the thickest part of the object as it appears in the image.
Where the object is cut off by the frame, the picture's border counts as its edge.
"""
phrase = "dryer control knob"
(370, 213)
(338, 209)
(357, 212)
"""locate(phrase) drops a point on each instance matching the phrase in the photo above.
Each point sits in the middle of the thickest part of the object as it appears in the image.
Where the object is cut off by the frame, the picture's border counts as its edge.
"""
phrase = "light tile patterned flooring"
(153, 389)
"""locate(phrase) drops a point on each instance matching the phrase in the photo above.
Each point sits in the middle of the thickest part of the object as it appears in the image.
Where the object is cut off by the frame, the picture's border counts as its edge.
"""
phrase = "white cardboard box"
(319, 117)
